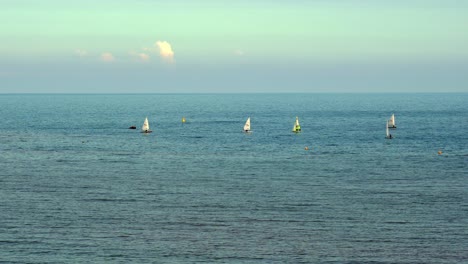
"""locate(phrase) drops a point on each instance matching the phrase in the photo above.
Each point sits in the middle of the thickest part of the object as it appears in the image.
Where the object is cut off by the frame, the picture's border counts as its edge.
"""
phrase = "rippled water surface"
(76, 185)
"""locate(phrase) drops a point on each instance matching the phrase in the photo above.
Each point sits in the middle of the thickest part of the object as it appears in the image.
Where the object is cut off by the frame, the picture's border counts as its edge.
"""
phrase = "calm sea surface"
(78, 186)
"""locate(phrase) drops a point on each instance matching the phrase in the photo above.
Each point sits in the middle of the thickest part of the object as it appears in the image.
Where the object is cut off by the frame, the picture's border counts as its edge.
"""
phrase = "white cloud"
(81, 53)
(239, 52)
(107, 57)
(143, 57)
(165, 51)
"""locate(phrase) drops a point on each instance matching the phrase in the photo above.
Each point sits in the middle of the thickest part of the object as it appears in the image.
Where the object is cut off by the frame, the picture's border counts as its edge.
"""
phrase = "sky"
(220, 46)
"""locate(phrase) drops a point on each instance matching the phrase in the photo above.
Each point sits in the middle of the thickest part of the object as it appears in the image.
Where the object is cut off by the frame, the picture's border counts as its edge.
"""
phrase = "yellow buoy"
(183, 119)
(439, 152)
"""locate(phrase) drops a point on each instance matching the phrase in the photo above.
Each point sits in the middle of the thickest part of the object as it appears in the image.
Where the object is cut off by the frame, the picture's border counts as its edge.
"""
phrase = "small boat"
(296, 127)
(247, 126)
(388, 136)
(145, 128)
(391, 122)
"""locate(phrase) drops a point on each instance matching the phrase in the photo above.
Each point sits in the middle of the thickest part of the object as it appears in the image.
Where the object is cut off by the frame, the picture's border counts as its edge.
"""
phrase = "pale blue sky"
(233, 46)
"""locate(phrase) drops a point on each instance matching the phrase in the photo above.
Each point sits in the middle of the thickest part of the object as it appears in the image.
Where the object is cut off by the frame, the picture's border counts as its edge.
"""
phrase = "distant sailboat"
(296, 127)
(391, 122)
(247, 125)
(389, 136)
(145, 128)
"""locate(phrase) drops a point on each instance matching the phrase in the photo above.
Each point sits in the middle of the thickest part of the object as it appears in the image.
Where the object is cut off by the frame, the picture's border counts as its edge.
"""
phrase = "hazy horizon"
(259, 46)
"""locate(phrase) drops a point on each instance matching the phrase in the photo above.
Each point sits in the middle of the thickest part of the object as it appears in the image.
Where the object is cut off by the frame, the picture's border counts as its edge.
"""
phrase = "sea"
(78, 186)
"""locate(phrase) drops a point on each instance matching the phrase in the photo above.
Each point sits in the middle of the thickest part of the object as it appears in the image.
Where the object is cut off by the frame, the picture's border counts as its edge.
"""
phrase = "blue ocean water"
(77, 186)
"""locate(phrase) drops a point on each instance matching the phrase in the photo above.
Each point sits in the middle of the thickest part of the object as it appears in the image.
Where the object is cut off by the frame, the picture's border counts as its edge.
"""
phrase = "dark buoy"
(132, 127)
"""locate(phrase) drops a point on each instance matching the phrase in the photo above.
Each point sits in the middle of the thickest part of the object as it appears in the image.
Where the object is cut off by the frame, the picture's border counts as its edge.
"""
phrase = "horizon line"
(207, 93)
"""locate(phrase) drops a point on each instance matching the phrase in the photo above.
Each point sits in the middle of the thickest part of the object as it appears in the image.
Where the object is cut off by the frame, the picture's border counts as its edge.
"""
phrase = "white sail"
(145, 126)
(247, 125)
(386, 129)
(391, 122)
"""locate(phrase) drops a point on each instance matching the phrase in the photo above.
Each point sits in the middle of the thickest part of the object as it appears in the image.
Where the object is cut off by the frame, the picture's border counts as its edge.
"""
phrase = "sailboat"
(389, 136)
(145, 128)
(391, 122)
(247, 126)
(296, 127)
